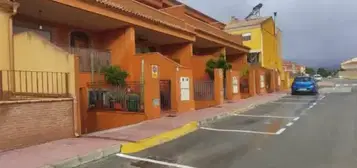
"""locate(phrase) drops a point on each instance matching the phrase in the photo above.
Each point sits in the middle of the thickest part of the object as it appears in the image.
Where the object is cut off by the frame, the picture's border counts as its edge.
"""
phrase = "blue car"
(304, 84)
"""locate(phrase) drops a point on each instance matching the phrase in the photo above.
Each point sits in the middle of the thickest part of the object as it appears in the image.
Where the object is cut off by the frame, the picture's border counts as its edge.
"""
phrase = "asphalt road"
(295, 131)
(341, 81)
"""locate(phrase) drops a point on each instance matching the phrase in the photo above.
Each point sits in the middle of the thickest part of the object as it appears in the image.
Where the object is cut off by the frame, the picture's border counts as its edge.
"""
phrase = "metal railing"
(203, 90)
(244, 85)
(90, 59)
(165, 95)
(128, 98)
(19, 84)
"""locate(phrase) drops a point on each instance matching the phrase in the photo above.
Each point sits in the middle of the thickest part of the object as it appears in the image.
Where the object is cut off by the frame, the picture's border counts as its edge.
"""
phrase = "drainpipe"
(11, 45)
(91, 65)
(142, 81)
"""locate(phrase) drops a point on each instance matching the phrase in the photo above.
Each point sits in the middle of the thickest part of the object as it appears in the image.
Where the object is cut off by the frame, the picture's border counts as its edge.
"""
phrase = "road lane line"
(293, 98)
(322, 97)
(152, 161)
(289, 124)
(345, 85)
(262, 116)
(239, 131)
(280, 131)
(355, 84)
(290, 102)
(296, 118)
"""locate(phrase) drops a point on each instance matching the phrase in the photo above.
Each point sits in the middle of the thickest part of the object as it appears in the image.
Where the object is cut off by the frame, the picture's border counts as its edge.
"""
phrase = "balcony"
(90, 60)
(150, 12)
(212, 30)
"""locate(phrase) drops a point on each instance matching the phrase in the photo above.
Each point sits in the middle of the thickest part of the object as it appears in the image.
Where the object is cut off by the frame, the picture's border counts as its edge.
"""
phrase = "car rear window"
(302, 79)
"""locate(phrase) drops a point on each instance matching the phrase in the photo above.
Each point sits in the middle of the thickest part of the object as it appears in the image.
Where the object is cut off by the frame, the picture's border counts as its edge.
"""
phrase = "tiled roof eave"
(139, 15)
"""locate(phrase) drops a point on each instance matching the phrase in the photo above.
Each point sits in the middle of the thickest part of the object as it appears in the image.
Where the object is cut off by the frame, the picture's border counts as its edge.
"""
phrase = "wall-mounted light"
(40, 14)
(177, 69)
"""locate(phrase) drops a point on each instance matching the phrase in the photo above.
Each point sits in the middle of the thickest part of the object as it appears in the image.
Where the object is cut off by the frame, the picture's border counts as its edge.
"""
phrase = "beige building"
(349, 69)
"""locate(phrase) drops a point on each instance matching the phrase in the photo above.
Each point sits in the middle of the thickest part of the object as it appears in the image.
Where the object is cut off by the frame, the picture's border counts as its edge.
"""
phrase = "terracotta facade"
(170, 36)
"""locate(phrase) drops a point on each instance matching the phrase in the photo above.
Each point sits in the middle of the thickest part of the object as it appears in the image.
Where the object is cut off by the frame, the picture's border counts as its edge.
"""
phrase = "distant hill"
(328, 64)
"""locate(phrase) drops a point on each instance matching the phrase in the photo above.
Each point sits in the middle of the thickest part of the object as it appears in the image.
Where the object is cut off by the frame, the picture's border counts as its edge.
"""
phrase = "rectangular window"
(253, 58)
(246, 36)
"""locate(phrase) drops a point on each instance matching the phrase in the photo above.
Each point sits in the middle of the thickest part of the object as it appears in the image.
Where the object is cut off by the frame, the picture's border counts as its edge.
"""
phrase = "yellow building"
(264, 39)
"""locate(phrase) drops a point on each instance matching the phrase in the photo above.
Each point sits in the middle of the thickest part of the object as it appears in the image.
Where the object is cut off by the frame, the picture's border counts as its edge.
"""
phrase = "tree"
(114, 75)
(220, 63)
(323, 72)
(310, 71)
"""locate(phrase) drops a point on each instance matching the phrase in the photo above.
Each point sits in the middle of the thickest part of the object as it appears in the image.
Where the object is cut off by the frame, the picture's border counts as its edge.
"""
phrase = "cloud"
(318, 31)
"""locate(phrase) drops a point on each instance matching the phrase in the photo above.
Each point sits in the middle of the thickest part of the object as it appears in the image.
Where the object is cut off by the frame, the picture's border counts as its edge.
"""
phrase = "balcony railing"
(90, 59)
(18, 84)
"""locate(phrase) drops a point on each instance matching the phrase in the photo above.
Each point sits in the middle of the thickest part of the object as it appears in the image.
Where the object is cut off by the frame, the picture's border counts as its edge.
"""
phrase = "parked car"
(304, 84)
(318, 77)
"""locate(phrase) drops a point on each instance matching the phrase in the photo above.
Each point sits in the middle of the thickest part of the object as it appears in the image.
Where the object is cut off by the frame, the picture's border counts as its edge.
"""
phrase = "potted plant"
(116, 99)
(119, 100)
(115, 76)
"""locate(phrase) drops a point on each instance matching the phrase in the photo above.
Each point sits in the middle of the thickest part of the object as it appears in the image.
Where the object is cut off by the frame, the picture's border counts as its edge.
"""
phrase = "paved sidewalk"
(76, 151)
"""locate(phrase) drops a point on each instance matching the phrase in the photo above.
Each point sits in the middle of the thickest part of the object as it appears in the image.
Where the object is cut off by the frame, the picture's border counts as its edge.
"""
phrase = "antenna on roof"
(255, 12)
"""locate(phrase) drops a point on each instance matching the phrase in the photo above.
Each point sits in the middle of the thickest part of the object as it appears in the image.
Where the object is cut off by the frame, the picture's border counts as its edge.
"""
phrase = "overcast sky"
(315, 32)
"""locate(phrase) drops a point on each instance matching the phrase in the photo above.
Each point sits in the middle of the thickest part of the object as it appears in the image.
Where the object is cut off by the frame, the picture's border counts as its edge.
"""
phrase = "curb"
(128, 148)
(159, 139)
(83, 159)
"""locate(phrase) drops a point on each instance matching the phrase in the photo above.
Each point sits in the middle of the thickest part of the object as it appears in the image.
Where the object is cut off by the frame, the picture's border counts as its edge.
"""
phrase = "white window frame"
(247, 35)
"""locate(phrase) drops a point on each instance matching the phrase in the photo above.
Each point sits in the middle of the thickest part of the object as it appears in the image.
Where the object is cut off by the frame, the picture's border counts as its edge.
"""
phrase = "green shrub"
(220, 63)
(114, 75)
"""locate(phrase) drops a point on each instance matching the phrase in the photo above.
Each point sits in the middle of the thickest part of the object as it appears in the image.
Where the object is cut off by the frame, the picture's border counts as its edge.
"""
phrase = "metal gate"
(244, 85)
(225, 88)
(267, 81)
(165, 95)
(203, 90)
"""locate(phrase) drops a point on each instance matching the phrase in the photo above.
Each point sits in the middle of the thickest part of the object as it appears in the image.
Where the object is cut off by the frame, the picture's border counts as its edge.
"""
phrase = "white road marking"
(290, 102)
(355, 84)
(322, 97)
(261, 116)
(153, 161)
(345, 85)
(239, 131)
(296, 118)
(289, 124)
(293, 98)
(338, 85)
(280, 131)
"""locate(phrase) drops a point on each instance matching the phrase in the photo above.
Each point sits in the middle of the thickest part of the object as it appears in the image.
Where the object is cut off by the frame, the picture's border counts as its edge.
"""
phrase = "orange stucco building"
(163, 45)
